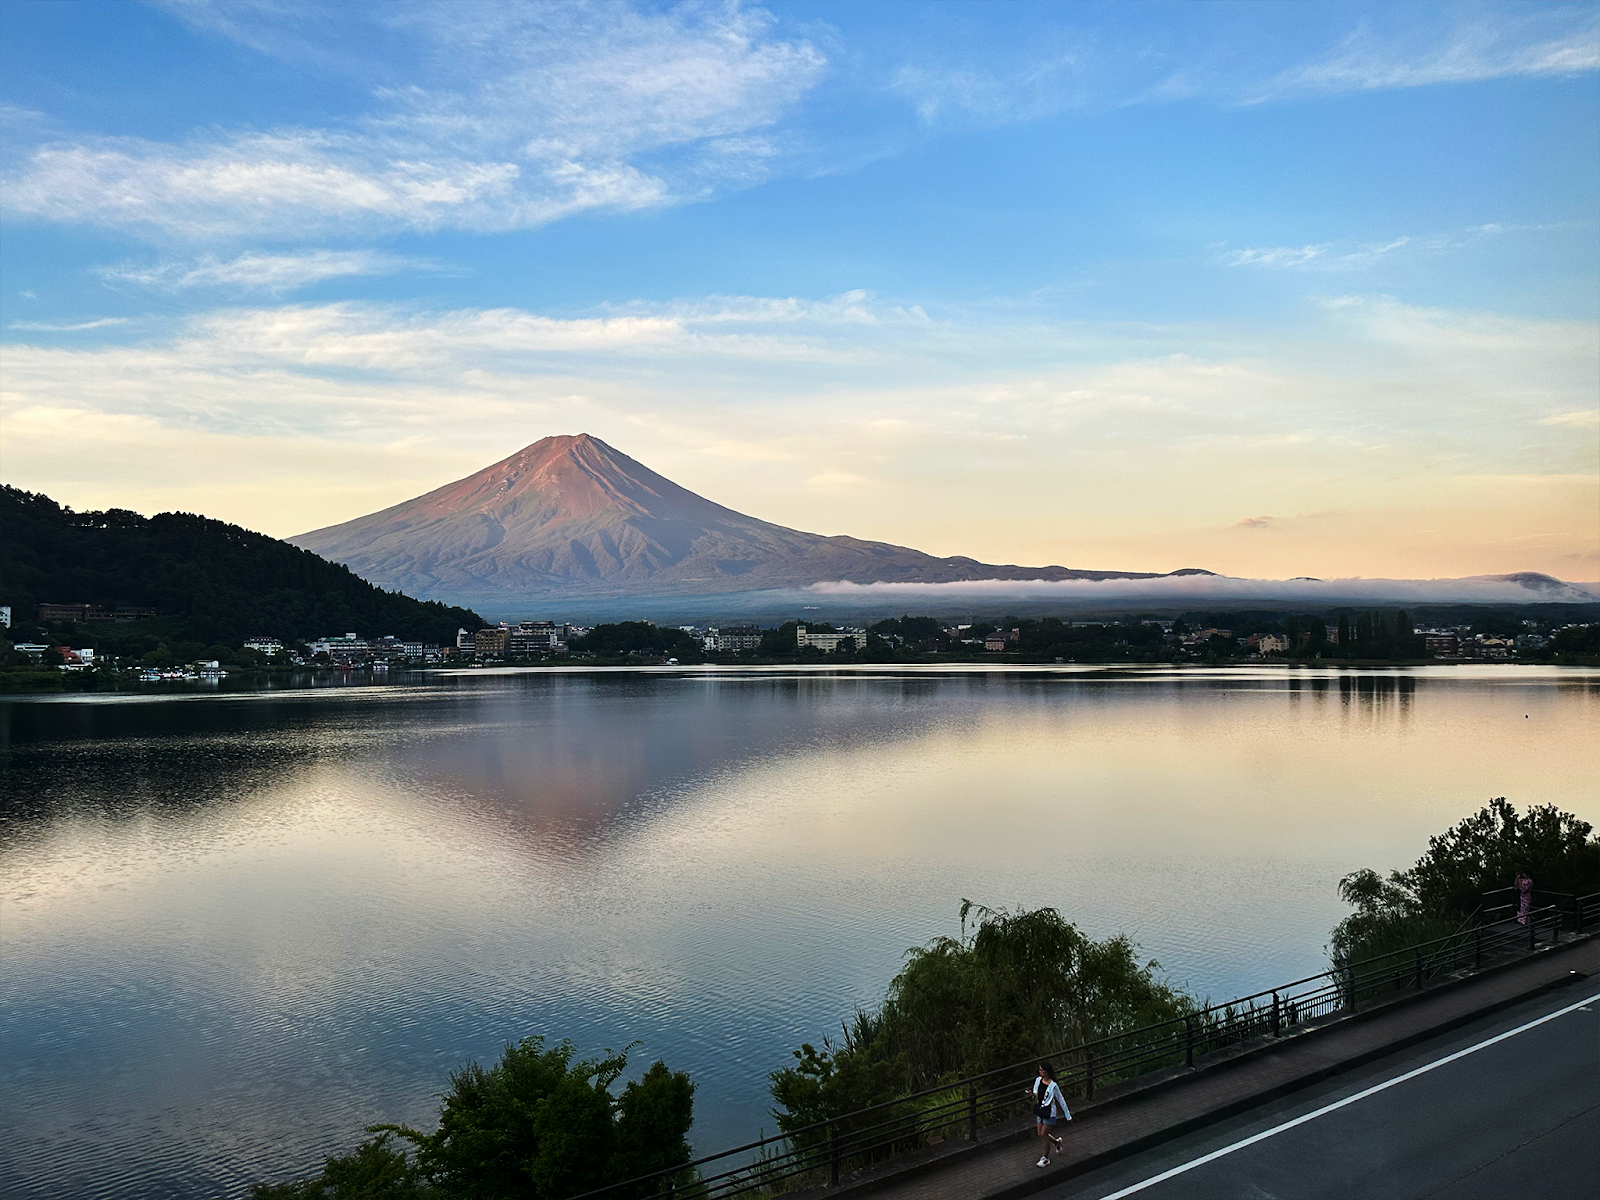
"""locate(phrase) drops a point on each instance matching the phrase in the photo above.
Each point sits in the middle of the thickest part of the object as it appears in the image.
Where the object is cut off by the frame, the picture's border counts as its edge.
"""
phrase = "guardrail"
(821, 1153)
(1582, 913)
(1586, 913)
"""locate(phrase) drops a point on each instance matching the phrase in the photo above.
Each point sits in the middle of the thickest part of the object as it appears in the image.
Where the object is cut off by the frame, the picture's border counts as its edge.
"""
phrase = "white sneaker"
(1043, 1161)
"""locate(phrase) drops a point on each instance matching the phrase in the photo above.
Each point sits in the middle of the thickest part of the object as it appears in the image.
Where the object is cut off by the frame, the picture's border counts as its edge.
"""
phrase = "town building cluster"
(526, 641)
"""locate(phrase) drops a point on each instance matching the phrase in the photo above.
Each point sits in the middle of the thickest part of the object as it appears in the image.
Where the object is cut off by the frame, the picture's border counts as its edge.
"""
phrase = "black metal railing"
(823, 1152)
(1585, 913)
(1499, 903)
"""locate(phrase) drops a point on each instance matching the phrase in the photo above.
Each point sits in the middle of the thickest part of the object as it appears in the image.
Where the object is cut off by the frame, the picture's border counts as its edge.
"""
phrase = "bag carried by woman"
(1049, 1102)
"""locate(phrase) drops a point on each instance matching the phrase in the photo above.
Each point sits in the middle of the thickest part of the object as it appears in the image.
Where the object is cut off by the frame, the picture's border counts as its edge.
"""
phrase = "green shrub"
(1021, 984)
(537, 1125)
(372, 1171)
(1446, 886)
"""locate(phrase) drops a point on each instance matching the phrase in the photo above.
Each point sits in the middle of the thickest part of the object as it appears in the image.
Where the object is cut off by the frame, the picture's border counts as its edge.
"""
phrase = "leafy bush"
(372, 1171)
(535, 1126)
(1022, 983)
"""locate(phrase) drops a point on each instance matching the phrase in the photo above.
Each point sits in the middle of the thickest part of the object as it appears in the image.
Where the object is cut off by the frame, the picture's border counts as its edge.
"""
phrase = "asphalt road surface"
(1507, 1107)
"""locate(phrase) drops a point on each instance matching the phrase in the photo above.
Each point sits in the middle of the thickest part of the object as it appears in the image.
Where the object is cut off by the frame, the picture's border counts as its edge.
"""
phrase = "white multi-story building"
(828, 643)
(264, 645)
(726, 639)
(340, 649)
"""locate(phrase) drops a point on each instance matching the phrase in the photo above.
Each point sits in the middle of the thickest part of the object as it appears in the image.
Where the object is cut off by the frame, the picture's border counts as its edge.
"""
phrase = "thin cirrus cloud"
(518, 115)
(1467, 373)
(1579, 418)
(1411, 49)
(1333, 256)
(1491, 46)
(68, 327)
(390, 339)
(1321, 257)
(1246, 429)
(264, 272)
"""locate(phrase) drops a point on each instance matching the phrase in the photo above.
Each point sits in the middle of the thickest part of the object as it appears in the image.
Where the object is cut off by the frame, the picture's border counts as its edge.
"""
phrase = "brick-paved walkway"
(1002, 1164)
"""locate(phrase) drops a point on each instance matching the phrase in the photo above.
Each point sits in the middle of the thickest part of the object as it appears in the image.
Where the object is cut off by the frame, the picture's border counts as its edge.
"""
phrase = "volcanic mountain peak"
(573, 476)
(572, 514)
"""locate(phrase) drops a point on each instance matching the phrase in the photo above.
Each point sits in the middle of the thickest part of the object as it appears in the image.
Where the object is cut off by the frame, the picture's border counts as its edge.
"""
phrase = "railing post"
(1188, 1030)
(1350, 989)
(1477, 948)
(1277, 1020)
(833, 1154)
(972, 1111)
(1417, 955)
(1088, 1073)
(1533, 933)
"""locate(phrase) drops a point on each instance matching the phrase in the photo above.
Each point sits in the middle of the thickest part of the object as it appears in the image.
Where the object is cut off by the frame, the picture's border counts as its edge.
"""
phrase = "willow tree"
(1016, 984)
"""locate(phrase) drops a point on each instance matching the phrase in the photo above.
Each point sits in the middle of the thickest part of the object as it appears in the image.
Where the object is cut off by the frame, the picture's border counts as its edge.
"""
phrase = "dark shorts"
(1047, 1120)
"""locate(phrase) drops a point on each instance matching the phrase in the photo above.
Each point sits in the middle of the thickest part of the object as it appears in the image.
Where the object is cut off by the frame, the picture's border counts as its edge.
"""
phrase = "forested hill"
(210, 581)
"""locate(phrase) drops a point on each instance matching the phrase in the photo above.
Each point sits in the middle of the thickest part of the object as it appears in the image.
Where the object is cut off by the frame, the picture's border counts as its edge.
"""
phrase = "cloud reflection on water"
(238, 929)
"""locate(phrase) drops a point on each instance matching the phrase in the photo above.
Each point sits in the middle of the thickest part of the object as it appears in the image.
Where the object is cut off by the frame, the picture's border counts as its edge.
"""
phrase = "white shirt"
(1052, 1097)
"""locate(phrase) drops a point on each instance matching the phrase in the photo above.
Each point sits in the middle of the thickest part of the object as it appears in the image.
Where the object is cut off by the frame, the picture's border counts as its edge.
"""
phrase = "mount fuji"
(572, 516)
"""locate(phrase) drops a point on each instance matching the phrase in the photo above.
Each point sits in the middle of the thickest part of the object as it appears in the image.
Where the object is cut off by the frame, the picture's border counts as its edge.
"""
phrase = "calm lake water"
(238, 928)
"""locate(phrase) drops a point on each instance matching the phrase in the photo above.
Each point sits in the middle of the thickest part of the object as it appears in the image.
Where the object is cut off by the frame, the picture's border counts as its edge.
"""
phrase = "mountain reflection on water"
(238, 927)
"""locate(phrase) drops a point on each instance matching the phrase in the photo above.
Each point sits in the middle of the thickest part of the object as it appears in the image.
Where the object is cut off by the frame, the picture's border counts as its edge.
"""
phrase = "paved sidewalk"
(1001, 1165)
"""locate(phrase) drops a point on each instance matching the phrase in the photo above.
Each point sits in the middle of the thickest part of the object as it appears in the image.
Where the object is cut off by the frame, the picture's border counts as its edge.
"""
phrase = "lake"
(236, 928)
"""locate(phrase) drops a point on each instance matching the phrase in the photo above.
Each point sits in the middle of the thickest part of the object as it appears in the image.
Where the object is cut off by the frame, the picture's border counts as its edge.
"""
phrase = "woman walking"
(1525, 896)
(1049, 1108)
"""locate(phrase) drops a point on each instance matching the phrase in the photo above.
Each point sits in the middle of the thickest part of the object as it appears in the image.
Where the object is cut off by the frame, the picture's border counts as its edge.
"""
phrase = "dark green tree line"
(637, 637)
(213, 583)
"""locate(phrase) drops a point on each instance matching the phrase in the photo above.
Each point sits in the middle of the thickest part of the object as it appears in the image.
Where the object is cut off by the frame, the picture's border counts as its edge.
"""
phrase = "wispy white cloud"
(1325, 257)
(1411, 46)
(1467, 338)
(323, 365)
(1474, 47)
(393, 339)
(857, 411)
(944, 94)
(69, 327)
(264, 272)
(1348, 256)
(1275, 256)
(1578, 418)
(518, 115)
(855, 307)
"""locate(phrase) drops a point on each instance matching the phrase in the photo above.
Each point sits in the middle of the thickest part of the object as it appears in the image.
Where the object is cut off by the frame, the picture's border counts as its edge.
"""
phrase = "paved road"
(1519, 1117)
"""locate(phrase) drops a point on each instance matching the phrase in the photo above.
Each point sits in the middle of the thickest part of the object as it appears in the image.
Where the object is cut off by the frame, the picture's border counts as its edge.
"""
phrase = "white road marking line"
(1337, 1104)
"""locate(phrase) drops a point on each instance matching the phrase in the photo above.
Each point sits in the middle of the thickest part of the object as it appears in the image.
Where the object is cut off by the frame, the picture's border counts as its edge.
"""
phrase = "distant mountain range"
(570, 516)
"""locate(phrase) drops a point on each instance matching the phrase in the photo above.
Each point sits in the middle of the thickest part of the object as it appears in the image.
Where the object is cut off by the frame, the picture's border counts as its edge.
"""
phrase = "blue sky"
(1270, 288)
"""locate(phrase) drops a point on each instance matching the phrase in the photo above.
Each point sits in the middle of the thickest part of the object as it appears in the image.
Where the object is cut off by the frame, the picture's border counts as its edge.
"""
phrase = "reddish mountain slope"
(570, 515)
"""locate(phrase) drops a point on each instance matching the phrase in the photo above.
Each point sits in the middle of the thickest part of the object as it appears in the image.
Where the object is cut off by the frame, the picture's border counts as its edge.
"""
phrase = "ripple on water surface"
(238, 929)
